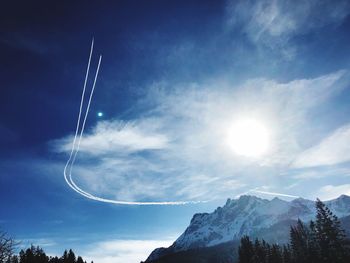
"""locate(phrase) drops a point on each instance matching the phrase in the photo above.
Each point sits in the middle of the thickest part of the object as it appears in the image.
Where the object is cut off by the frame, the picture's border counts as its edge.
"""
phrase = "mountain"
(247, 215)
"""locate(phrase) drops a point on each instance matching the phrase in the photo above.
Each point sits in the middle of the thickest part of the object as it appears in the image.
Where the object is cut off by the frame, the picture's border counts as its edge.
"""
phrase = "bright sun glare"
(249, 138)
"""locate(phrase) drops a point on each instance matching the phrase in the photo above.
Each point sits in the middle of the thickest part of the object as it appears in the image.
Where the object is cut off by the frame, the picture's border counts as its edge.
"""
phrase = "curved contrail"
(78, 122)
(75, 150)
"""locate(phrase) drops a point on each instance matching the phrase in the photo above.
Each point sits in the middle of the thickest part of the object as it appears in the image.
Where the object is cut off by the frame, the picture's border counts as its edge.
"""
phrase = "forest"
(33, 254)
(321, 241)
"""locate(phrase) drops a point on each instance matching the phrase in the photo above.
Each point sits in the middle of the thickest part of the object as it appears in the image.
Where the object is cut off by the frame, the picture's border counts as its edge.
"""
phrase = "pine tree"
(71, 257)
(39, 255)
(246, 251)
(329, 234)
(54, 260)
(299, 242)
(313, 246)
(287, 254)
(33, 255)
(64, 258)
(275, 255)
(259, 252)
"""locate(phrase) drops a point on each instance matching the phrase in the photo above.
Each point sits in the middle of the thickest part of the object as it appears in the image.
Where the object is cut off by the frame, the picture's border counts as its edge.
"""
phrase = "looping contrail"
(76, 145)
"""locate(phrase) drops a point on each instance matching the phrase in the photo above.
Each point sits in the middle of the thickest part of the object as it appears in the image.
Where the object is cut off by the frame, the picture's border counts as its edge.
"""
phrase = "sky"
(175, 77)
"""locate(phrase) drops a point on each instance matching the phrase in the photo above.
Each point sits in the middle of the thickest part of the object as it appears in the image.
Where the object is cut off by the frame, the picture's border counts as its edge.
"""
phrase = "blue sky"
(173, 79)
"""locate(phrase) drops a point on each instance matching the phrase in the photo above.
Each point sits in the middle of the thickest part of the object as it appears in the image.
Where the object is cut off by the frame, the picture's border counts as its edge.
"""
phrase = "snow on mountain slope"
(250, 215)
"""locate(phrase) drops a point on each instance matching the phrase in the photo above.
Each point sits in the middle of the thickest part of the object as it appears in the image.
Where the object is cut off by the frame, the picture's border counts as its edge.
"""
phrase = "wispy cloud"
(42, 242)
(177, 149)
(274, 23)
(119, 137)
(278, 17)
(332, 150)
(132, 251)
(320, 172)
(329, 192)
(105, 251)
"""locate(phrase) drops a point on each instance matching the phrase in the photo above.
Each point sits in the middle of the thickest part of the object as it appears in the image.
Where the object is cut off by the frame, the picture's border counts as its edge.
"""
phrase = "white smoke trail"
(273, 193)
(256, 190)
(74, 151)
(82, 129)
(78, 122)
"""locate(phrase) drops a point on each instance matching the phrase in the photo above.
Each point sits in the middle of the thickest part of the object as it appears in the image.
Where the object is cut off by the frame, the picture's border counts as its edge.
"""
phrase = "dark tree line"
(322, 241)
(37, 255)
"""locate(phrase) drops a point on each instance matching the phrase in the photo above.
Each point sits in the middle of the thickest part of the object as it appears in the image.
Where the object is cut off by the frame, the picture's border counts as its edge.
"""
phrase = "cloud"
(274, 23)
(118, 136)
(285, 18)
(334, 149)
(329, 192)
(132, 251)
(42, 242)
(105, 251)
(177, 148)
(320, 172)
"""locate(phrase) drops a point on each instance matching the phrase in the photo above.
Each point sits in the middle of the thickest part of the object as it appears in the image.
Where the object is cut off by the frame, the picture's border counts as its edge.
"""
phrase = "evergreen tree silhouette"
(64, 258)
(80, 260)
(54, 260)
(33, 255)
(329, 235)
(246, 250)
(299, 238)
(275, 255)
(286, 254)
(71, 257)
(259, 251)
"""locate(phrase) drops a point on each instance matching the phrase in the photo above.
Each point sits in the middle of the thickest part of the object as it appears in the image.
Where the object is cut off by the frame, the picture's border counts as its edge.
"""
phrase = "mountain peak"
(248, 199)
(344, 197)
(253, 216)
(278, 200)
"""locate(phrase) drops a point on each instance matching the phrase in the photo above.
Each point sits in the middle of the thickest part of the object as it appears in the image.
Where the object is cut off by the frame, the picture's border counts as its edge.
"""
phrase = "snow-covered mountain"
(249, 215)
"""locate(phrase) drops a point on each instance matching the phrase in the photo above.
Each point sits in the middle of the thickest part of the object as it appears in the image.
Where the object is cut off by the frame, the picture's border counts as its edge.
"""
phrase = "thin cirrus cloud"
(104, 251)
(112, 136)
(320, 172)
(120, 250)
(274, 23)
(329, 192)
(177, 148)
(333, 149)
(278, 18)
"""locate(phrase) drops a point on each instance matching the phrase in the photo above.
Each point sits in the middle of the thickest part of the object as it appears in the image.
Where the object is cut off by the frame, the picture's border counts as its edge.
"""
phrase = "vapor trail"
(80, 111)
(256, 190)
(74, 151)
(272, 193)
(82, 128)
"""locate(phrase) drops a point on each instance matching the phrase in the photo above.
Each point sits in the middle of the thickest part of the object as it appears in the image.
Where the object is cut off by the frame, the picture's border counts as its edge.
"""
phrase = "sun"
(249, 137)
